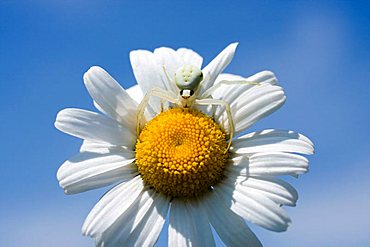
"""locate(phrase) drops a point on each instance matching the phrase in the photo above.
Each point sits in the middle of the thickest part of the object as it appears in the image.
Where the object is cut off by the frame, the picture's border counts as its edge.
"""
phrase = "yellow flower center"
(181, 153)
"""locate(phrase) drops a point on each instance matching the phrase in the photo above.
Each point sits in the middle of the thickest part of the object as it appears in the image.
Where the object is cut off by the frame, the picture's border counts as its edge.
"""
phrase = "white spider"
(188, 79)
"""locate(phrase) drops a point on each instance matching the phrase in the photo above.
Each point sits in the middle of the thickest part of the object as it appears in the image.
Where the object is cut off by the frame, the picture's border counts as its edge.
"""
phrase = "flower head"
(181, 153)
(175, 142)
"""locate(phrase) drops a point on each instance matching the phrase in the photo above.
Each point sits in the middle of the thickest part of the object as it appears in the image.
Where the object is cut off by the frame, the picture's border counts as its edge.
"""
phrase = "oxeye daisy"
(176, 143)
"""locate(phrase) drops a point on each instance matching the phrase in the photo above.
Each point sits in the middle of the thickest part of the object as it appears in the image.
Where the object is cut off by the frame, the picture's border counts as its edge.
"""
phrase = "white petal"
(252, 105)
(98, 107)
(190, 57)
(94, 127)
(231, 93)
(202, 231)
(180, 226)
(188, 225)
(273, 141)
(137, 226)
(135, 93)
(111, 206)
(150, 74)
(230, 227)
(216, 66)
(254, 207)
(236, 94)
(147, 233)
(111, 97)
(263, 77)
(169, 60)
(87, 171)
(270, 164)
(101, 147)
(128, 220)
(275, 189)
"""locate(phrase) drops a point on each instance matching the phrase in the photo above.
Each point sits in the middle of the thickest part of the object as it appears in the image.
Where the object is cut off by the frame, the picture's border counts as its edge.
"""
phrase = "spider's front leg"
(210, 90)
(228, 112)
(158, 92)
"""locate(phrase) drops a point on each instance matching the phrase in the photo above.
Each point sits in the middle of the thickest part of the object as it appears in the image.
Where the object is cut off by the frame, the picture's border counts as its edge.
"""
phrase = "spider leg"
(228, 112)
(158, 92)
(210, 90)
(166, 73)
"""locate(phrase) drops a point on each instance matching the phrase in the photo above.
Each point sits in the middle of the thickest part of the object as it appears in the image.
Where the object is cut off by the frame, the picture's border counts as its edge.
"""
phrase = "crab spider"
(188, 79)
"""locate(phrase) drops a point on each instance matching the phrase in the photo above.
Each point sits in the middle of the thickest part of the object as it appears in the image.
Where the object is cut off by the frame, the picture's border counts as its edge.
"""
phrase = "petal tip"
(60, 174)
(67, 192)
(85, 229)
(232, 47)
(57, 123)
(234, 44)
(93, 69)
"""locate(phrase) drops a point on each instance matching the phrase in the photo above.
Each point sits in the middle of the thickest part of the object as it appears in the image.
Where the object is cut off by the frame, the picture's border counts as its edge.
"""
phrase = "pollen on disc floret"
(181, 152)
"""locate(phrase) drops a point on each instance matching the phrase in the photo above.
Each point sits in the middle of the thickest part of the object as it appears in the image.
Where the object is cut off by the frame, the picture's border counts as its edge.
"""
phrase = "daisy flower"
(183, 152)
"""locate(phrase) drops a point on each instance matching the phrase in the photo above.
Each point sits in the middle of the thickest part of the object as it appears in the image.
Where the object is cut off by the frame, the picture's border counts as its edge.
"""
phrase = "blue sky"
(319, 50)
